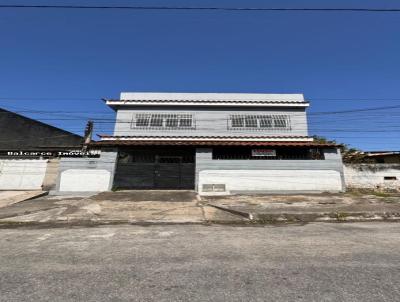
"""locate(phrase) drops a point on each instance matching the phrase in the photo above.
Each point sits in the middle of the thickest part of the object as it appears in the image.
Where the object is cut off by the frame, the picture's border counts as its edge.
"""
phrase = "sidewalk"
(311, 207)
(185, 207)
(8, 198)
(123, 207)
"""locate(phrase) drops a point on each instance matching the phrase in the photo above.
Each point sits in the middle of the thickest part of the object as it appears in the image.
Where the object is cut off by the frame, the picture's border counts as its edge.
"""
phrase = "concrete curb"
(270, 220)
(44, 193)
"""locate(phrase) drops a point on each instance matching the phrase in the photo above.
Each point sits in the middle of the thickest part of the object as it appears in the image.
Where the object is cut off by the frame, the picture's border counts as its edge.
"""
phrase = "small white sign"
(66, 153)
(263, 152)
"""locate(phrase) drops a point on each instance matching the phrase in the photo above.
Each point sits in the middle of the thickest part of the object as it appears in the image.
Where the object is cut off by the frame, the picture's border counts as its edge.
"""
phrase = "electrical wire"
(210, 8)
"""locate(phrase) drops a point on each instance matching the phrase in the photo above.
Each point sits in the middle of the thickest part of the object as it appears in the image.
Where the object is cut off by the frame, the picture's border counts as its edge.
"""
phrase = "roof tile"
(133, 142)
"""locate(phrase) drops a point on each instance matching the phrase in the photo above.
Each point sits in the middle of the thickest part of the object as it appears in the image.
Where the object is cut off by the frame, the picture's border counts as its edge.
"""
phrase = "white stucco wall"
(84, 180)
(212, 122)
(372, 176)
(271, 180)
(22, 174)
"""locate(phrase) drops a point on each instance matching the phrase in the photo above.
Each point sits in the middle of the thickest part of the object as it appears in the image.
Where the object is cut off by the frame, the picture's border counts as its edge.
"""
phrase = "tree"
(349, 155)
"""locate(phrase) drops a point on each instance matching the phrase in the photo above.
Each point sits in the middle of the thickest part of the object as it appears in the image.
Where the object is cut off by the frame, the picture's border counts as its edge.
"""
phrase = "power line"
(37, 138)
(350, 99)
(355, 110)
(74, 116)
(366, 114)
(50, 99)
(210, 8)
(20, 109)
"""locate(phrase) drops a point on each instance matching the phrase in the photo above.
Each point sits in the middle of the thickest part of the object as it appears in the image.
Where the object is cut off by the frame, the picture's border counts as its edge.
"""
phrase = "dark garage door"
(155, 169)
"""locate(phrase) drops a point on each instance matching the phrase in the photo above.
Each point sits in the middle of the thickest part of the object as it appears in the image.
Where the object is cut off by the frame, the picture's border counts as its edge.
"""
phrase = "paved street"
(314, 262)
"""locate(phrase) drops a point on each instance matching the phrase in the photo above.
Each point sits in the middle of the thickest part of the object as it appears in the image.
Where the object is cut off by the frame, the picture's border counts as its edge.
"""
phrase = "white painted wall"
(81, 180)
(22, 174)
(272, 180)
(371, 176)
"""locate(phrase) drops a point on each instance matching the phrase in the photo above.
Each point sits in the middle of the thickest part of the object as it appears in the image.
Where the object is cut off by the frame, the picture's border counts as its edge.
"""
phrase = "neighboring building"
(22, 133)
(374, 170)
(215, 143)
(28, 152)
(383, 157)
(373, 176)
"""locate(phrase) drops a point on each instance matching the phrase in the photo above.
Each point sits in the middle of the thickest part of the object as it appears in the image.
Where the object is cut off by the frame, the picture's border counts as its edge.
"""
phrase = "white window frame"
(257, 118)
(165, 119)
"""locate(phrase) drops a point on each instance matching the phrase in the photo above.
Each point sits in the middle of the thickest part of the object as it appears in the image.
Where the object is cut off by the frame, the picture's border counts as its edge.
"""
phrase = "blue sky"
(62, 62)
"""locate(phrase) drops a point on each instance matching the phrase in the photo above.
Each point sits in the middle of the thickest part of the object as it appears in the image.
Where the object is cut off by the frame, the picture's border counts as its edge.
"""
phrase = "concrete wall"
(22, 174)
(372, 176)
(211, 121)
(87, 174)
(248, 176)
(95, 180)
(237, 181)
(51, 175)
(237, 176)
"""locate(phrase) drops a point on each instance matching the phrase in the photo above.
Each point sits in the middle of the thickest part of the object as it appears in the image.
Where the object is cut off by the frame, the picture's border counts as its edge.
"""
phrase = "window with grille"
(267, 122)
(163, 121)
(279, 153)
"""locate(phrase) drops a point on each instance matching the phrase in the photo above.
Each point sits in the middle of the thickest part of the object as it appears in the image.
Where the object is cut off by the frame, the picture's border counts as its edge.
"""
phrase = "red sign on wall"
(263, 152)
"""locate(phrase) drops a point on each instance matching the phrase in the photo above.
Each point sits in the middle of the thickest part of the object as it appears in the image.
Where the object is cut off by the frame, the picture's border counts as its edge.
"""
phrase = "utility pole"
(87, 136)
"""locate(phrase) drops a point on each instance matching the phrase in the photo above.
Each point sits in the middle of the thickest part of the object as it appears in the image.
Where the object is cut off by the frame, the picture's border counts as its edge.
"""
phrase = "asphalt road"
(315, 262)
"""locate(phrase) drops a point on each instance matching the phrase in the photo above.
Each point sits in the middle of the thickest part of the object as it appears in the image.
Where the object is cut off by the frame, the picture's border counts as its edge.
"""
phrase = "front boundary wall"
(224, 177)
(218, 177)
(22, 174)
(87, 174)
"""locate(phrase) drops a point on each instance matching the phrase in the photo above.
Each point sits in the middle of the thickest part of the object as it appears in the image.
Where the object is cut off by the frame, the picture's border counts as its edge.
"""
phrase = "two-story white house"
(216, 143)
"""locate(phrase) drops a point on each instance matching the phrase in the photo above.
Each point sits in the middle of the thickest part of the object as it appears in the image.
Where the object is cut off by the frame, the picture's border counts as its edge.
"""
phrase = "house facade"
(214, 143)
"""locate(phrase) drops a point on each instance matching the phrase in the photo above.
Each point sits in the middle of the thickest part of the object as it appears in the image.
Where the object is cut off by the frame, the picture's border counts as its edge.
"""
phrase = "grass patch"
(381, 194)
(354, 193)
(363, 192)
(341, 216)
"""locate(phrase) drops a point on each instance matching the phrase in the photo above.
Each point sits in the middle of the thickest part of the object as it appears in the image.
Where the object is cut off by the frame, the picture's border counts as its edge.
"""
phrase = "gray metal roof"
(212, 97)
(208, 99)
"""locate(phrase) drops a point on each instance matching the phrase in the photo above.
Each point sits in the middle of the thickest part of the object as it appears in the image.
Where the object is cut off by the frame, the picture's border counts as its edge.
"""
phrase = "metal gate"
(149, 169)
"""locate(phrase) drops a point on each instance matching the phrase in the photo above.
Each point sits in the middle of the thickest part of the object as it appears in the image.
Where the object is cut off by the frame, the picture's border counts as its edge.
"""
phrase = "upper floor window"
(163, 121)
(267, 122)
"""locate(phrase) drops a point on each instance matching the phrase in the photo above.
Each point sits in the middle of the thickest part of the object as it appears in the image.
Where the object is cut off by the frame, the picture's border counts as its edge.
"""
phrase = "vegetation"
(349, 155)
